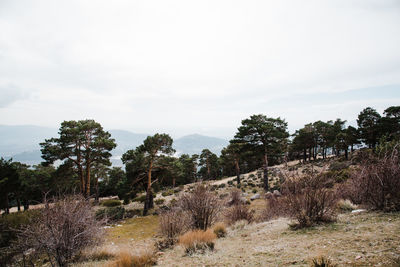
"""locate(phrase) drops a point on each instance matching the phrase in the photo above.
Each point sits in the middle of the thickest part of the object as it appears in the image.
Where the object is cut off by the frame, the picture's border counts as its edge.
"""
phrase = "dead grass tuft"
(220, 229)
(198, 241)
(126, 259)
(345, 205)
(322, 261)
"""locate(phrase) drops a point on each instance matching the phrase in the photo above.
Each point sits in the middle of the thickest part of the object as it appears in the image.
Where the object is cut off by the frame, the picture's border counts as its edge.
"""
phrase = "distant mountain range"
(22, 143)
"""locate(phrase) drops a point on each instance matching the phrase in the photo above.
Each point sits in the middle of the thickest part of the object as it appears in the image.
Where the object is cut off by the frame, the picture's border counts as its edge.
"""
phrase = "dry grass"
(198, 241)
(345, 205)
(126, 259)
(219, 229)
(367, 239)
(322, 261)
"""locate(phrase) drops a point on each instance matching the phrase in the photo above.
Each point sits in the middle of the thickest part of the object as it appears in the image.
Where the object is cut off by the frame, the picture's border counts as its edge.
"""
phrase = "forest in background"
(82, 153)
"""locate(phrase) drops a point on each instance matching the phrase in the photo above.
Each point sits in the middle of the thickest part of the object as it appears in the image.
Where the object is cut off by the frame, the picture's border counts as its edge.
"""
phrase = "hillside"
(358, 238)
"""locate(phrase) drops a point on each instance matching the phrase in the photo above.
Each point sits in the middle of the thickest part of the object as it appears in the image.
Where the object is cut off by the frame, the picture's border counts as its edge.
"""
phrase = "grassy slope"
(370, 239)
(367, 239)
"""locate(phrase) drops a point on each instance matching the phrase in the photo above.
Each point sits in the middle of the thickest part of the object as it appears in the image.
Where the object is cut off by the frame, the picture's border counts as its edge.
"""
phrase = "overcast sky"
(186, 67)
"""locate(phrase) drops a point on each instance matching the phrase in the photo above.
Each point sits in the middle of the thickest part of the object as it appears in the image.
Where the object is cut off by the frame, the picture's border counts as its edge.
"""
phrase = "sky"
(184, 67)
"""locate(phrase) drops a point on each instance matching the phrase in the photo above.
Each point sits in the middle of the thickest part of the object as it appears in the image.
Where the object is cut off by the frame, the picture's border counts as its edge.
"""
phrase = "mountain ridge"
(21, 142)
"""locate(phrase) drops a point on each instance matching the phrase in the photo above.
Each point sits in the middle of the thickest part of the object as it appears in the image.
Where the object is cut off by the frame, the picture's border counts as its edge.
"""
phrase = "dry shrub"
(237, 213)
(62, 230)
(322, 261)
(275, 207)
(376, 185)
(173, 223)
(309, 200)
(198, 241)
(126, 259)
(219, 229)
(202, 206)
(235, 197)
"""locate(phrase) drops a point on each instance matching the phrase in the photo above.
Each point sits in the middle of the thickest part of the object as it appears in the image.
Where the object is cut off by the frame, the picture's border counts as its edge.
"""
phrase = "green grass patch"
(110, 203)
(134, 229)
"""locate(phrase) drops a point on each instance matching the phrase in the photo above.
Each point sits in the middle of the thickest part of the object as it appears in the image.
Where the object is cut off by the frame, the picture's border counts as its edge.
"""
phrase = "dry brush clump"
(309, 199)
(61, 230)
(275, 207)
(202, 206)
(238, 212)
(376, 184)
(219, 229)
(322, 261)
(236, 209)
(198, 241)
(126, 259)
(172, 223)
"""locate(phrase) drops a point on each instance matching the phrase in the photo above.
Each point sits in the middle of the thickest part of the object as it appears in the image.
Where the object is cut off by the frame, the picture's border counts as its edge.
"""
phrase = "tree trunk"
(208, 170)
(148, 203)
(26, 205)
(7, 208)
(346, 153)
(19, 204)
(304, 155)
(309, 154)
(173, 181)
(87, 187)
(352, 148)
(96, 198)
(237, 171)
(81, 177)
(265, 167)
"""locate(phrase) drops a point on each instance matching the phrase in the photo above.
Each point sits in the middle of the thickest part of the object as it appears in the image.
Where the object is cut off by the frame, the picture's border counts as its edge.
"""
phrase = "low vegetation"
(61, 230)
(111, 203)
(197, 241)
(376, 183)
(220, 229)
(126, 259)
(202, 205)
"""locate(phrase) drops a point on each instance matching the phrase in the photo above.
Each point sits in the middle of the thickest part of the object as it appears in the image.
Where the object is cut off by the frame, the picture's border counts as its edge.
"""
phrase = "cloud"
(10, 94)
(182, 65)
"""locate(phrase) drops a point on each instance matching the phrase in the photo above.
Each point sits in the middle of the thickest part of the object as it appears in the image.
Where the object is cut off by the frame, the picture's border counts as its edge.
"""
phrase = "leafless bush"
(237, 213)
(376, 184)
(202, 206)
(62, 230)
(235, 197)
(173, 223)
(275, 207)
(309, 199)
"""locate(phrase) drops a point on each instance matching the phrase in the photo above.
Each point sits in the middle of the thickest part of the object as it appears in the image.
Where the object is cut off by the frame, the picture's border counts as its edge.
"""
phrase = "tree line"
(78, 160)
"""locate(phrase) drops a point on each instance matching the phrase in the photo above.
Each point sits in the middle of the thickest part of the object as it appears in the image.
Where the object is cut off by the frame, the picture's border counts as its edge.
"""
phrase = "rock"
(256, 196)
(245, 194)
(277, 193)
(358, 211)
(358, 257)
(243, 200)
